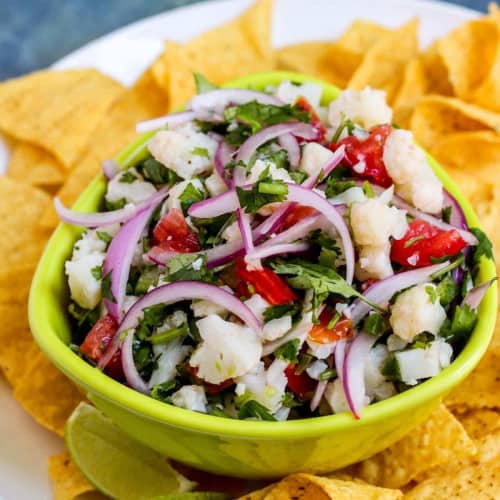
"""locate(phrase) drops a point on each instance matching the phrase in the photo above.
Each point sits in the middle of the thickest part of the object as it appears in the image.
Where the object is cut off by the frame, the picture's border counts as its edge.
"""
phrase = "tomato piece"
(296, 214)
(370, 151)
(423, 243)
(96, 342)
(209, 388)
(266, 283)
(299, 384)
(172, 233)
(321, 334)
(316, 122)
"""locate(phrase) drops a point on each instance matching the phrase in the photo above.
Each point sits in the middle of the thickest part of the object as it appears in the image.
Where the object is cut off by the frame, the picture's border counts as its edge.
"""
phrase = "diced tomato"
(323, 335)
(96, 342)
(423, 243)
(370, 151)
(296, 214)
(266, 283)
(209, 388)
(316, 122)
(173, 234)
(299, 384)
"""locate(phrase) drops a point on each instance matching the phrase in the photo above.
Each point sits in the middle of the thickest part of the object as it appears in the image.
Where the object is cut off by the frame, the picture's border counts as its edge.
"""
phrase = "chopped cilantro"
(288, 401)
(274, 312)
(422, 341)
(375, 324)
(304, 361)
(167, 336)
(218, 412)
(104, 236)
(85, 318)
(162, 392)
(114, 205)
(368, 190)
(202, 84)
(447, 290)
(253, 409)
(127, 177)
(328, 374)
(253, 199)
(203, 152)
(484, 248)
(345, 123)
(334, 186)
(189, 267)
(144, 358)
(288, 352)
(457, 262)
(106, 288)
(189, 196)
(96, 272)
(463, 321)
(432, 293)
(391, 370)
(157, 173)
(446, 214)
(298, 176)
(148, 277)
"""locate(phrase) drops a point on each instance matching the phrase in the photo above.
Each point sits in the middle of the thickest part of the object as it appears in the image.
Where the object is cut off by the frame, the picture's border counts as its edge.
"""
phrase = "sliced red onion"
(222, 254)
(457, 216)
(308, 198)
(223, 156)
(132, 376)
(290, 144)
(101, 219)
(159, 256)
(353, 380)
(297, 231)
(110, 168)
(340, 349)
(274, 221)
(245, 230)
(264, 252)
(217, 100)
(475, 295)
(248, 148)
(170, 120)
(320, 388)
(337, 157)
(215, 206)
(382, 291)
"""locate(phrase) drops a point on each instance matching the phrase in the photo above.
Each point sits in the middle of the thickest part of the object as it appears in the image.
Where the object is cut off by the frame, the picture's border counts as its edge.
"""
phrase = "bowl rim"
(105, 387)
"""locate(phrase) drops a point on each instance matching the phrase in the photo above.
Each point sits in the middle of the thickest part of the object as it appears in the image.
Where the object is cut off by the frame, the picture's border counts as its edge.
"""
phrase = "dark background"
(35, 33)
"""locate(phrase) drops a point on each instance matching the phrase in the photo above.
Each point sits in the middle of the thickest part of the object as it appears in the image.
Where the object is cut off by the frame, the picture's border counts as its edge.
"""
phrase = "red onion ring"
(264, 252)
(110, 168)
(170, 120)
(290, 144)
(475, 295)
(223, 156)
(353, 380)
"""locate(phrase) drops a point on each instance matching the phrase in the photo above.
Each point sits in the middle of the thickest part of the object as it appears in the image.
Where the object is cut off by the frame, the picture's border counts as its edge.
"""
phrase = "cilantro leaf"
(484, 248)
(274, 312)
(345, 123)
(96, 272)
(203, 152)
(422, 341)
(189, 196)
(289, 351)
(189, 267)
(157, 173)
(104, 236)
(447, 290)
(106, 288)
(335, 186)
(162, 392)
(253, 409)
(114, 205)
(202, 84)
(127, 177)
(262, 193)
(374, 324)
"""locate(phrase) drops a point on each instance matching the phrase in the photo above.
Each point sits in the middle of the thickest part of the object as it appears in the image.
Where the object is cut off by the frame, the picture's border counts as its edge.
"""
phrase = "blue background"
(35, 33)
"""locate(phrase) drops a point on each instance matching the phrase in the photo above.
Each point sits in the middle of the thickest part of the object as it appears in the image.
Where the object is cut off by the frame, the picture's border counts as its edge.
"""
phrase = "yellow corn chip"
(234, 49)
(361, 35)
(17, 346)
(21, 207)
(33, 165)
(413, 87)
(439, 439)
(145, 100)
(437, 116)
(481, 389)
(57, 110)
(436, 72)
(383, 66)
(474, 78)
(46, 394)
(478, 482)
(479, 423)
(15, 283)
(67, 481)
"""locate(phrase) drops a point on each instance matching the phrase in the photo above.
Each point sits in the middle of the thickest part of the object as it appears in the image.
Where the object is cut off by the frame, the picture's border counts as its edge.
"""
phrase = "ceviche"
(269, 257)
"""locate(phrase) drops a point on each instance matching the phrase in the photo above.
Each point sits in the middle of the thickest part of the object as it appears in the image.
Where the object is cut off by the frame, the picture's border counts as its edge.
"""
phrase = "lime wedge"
(114, 463)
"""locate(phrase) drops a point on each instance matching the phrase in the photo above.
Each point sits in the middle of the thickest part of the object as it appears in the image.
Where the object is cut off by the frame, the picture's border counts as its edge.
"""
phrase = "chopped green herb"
(96, 272)
(252, 199)
(104, 236)
(334, 187)
(432, 293)
(167, 336)
(128, 177)
(328, 374)
(422, 341)
(457, 262)
(447, 290)
(253, 409)
(368, 190)
(148, 278)
(446, 214)
(218, 412)
(190, 195)
(279, 189)
(461, 325)
(274, 312)
(115, 205)
(85, 318)
(484, 248)
(345, 123)
(391, 369)
(304, 361)
(298, 176)
(375, 325)
(333, 321)
(288, 400)
(157, 173)
(189, 267)
(203, 152)
(162, 392)
(289, 351)
(106, 288)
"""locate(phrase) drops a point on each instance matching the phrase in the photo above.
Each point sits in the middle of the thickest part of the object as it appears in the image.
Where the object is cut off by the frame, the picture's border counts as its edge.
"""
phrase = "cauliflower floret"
(289, 93)
(169, 355)
(202, 307)
(426, 194)
(376, 385)
(266, 386)
(173, 201)
(373, 222)
(88, 254)
(232, 232)
(174, 148)
(257, 305)
(335, 397)
(374, 262)
(409, 169)
(215, 185)
(415, 311)
(228, 350)
(133, 192)
(191, 397)
(365, 107)
(275, 173)
(417, 364)
(349, 196)
(276, 328)
(395, 343)
(314, 370)
(314, 158)
(320, 351)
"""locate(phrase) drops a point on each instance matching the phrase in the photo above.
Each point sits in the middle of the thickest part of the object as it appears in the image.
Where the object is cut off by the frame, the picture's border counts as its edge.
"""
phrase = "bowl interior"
(51, 328)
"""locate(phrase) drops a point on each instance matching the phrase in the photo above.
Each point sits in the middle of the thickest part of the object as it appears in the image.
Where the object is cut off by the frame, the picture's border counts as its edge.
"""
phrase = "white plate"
(124, 54)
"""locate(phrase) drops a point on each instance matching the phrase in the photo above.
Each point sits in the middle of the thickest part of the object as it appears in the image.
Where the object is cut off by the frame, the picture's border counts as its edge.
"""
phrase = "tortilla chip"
(383, 67)
(259, 494)
(438, 440)
(436, 72)
(413, 87)
(304, 486)
(35, 166)
(235, 49)
(437, 116)
(17, 346)
(46, 394)
(57, 110)
(15, 284)
(143, 101)
(474, 78)
(481, 481)
(21, 207)
(481, 389)
(479, 423)
(67, 480)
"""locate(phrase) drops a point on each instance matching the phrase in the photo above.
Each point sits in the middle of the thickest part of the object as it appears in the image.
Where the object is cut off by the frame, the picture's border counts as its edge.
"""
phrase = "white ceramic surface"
(124, 54)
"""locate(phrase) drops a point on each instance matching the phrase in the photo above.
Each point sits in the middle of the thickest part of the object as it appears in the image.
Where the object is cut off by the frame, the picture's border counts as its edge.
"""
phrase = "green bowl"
(233, 447)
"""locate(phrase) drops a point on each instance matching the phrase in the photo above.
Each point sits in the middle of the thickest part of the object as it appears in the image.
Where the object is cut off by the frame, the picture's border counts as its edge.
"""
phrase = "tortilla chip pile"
(60, 126)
